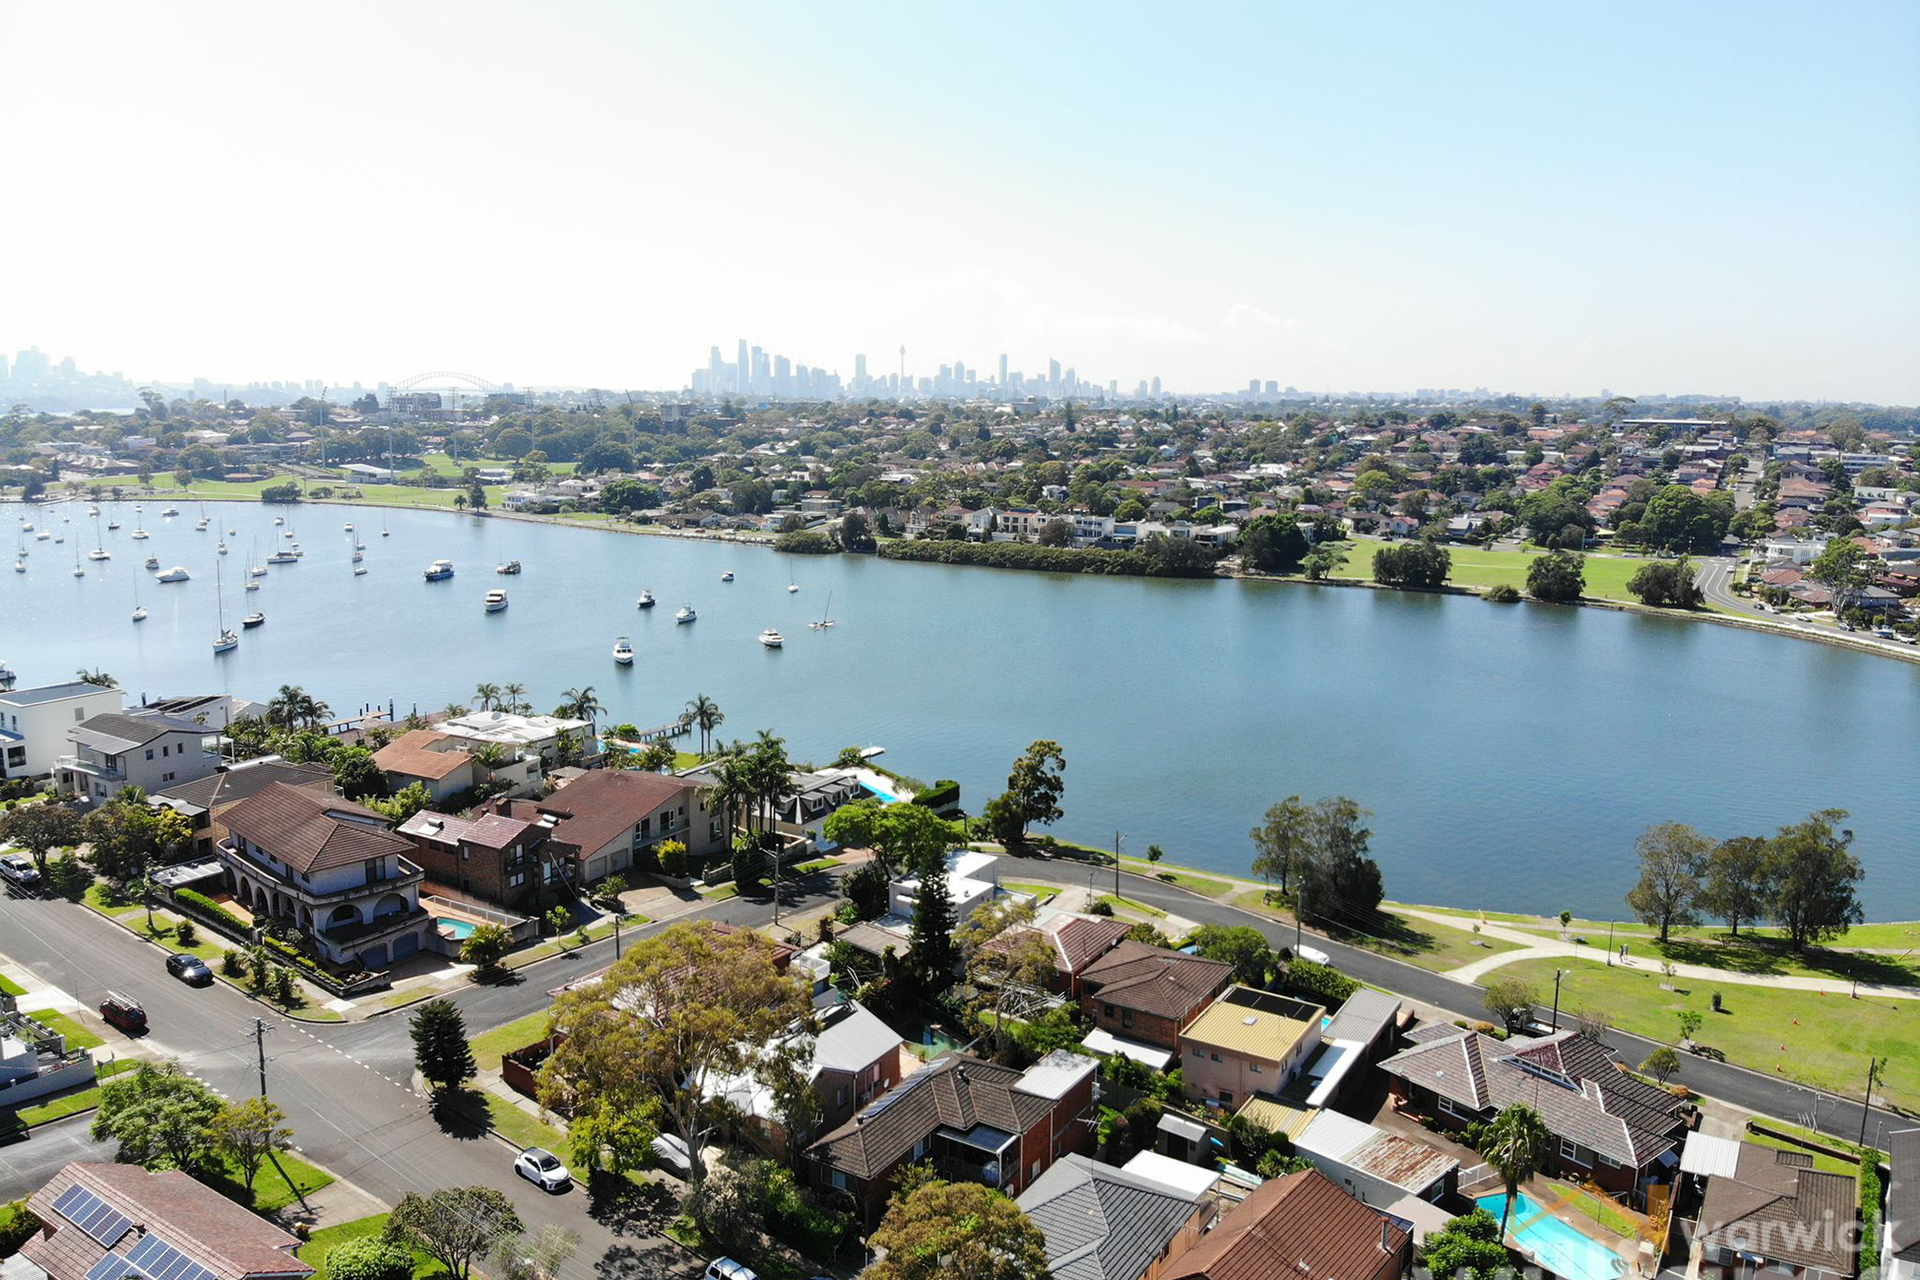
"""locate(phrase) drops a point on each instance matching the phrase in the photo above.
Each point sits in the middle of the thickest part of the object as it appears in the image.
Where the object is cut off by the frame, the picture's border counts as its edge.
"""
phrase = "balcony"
(408, 874)
(91, 768)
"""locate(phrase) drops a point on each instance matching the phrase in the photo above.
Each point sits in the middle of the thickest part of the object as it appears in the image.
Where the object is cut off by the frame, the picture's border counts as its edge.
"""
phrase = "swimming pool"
(1552, 1243)
(885, 797)
(459, 929)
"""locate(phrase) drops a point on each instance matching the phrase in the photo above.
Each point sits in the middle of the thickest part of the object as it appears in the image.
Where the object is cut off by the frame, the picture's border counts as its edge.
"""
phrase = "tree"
(249, 1132)
(1661, 1063)
(356, 774)
(908, 837)
(402, 804)
(930, 951)
(1417, 564)
(1274, 544)
(1004, 819)
(1739, 881)
(1339, 885)
(440, 1050)
(1467, 1248)
(476, 496)
(1323, 562)
(160, 1116)
(455, 1226)
(1281, 840)
(368, 1258)
(1511, 1000)
(1816, 879)
(486, 947)
(957, 1231)
(1843, 569)
(580, 704)
(534, 1255)
(707, 716)
(1667, 584)
(127, 835)
(1155, 853)
(657, 757)
(855, 533)
(41, 828)
(1515, 1146)
(867, 888)
(1239, 945)
(1054, 533)
(1559, 577)
(99, 679)
(1672, 858)
(677, 1012)
(1008, 965)
(1036, 784)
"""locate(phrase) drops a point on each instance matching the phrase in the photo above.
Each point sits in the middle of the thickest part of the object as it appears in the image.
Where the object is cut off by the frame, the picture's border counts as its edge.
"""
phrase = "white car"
(19, 868)
(543, 1169)
(728, 1269)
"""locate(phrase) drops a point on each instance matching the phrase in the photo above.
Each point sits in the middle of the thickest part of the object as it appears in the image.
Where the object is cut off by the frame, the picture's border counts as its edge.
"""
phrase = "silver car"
(543, 1169)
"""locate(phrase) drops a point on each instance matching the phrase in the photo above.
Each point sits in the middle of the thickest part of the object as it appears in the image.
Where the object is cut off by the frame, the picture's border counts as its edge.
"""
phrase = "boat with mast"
(826, 618)
(99, 551)
(139, 610)
(78, 572)
(228, 638)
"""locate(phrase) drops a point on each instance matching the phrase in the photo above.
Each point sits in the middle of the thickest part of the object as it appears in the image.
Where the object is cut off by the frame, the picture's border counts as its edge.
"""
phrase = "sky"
(1546, 199)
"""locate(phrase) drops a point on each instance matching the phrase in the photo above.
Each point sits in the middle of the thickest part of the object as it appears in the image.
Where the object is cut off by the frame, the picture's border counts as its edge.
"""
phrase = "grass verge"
(72, 1104)
(1128, 904)
(314, 1252)
(488, 1046)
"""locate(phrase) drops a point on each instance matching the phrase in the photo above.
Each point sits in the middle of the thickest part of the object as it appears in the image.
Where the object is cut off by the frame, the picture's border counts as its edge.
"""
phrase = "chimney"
(1386, 1236)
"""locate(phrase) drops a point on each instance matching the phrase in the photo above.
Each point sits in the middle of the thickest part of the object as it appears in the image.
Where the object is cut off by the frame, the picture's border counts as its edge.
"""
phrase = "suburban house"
(1103, 1223)
(973, 880)
(607, 818)
(120, 1220)
(1773, 1212)
(331, 868)
(1302, 1227)
(204, 800)
(1607, 1126)
(34, 723)
(1900, 1239)
(1141, 994)
(113, 750)
(1075, 940)
(35, 1059)
(1377, 1168)
(539, 738)
(976, 1121)
(854, 1058)
(1247, 1042)
(435, 761)
(493, 857)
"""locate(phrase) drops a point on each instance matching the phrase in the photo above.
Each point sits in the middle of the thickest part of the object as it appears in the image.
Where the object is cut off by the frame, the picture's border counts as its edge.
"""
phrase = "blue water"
(885, 797)
(1510, 755)
(460, 929)
(1554, 1244)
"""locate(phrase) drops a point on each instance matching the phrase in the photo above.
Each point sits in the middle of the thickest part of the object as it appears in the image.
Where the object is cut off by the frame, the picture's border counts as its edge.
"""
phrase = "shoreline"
(1905, 653)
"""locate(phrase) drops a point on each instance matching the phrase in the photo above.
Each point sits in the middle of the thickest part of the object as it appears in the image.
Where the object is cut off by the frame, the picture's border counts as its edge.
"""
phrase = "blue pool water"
(461, 929)
(1552, 1243)
(886, 797)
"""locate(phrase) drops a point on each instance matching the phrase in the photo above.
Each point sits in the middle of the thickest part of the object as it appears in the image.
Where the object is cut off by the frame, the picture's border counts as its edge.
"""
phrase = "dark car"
(191, 970)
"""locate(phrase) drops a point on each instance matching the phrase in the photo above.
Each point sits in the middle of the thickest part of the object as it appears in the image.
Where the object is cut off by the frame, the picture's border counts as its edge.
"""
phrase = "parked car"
(19, 868)
(124, 1012)
(191, 970)
(543, 1169)
(728, 1269)
(671, 1154)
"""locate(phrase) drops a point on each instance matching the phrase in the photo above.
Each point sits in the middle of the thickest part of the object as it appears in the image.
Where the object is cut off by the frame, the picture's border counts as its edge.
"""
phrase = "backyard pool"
(460, 930)
(1552, 1243)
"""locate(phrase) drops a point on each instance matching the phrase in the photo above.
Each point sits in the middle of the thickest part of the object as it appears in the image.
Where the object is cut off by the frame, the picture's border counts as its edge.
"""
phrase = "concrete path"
(1533, 947)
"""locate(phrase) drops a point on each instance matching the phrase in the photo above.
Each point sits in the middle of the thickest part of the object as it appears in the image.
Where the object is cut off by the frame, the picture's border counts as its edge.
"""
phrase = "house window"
(839, 1180)
(1226, 1097)
(149, 753)
(1126, 1017)
(1570, 1151)
(1108, 1008)
(166, 777)
(517, 879)
(1214, 1056)
(1254, 1067)
(1447, 1108)
(1608, 1161)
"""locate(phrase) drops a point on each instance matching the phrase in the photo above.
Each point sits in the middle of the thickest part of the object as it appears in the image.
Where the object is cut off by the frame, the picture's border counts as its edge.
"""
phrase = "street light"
(1557, 975)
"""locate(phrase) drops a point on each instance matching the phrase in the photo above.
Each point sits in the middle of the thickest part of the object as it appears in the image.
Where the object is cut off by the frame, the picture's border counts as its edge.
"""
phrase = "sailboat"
(227, 639)
(254, 570)
(826, 619)
(78, 572)
(139, 610)
(99, 551)
(792, 586)
(202, 523)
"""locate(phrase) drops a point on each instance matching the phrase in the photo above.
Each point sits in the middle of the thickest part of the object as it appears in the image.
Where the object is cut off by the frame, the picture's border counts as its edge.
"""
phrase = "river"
(1510, 754)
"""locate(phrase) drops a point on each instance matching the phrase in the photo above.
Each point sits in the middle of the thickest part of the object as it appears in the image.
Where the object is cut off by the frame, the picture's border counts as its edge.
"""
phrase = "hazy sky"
(1534, 197)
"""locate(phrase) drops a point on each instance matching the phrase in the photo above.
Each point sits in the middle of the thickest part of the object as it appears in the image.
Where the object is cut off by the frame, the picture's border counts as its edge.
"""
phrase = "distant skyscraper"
(860, 371)
(782, 376)
(1003, 373)
(743, 367)
(715, 372)
(1154, 394)
(1053, 377)
(1273, 388)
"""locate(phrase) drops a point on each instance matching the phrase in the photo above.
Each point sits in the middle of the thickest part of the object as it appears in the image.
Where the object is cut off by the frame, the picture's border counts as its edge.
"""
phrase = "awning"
(1106, 1042)
(188, 872)
(1181, 1127)
(1709, 1156)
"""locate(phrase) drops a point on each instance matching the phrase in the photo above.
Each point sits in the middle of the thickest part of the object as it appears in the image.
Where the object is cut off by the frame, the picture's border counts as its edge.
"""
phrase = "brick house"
(1247, 1042)
(1076, 942)
(1302, 1227)
(205, 801)
(496, 858)
(1607, 1126)
(1150, 994)
(976, 1121)
(607, 818)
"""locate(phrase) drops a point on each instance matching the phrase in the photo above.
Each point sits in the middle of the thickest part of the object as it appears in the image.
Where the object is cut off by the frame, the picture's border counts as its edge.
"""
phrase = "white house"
(34, 723)
(1798, 550)
(530, 736)
(151, 752)
(973, 879)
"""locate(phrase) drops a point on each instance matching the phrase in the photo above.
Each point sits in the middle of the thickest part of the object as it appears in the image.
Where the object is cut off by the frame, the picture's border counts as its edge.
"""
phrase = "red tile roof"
(1155, 980)
(595, 808)
(311, 832)
(414, 754)
(1302, 1227)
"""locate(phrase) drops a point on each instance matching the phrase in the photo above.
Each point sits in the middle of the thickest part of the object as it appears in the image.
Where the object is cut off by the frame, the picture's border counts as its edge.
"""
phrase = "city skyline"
(1529, 198)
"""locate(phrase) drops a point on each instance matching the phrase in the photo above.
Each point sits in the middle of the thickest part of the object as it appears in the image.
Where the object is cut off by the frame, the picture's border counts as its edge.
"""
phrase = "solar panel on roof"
(92, 1215)
(162, 1261)
(112, 1267)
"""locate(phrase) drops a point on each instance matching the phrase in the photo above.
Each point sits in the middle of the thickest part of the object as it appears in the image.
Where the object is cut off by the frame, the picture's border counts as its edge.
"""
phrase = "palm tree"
(293, 707)
(1515, 1146)
(580, 704)
(459, 502)
(98, 678)
(771, 776)
(707, 714)
(490, 756)
(513, 697)
(486, 693)
(732, 786)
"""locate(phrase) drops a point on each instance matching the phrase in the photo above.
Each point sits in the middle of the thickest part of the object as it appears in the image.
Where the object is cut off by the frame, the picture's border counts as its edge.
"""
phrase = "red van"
(124, 1012)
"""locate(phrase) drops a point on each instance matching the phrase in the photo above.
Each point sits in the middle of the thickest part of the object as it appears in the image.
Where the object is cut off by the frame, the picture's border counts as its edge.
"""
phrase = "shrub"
(183, 933)
(233, 965)
(368, 1258)
(486, 947)
(209, 908)
(69, 876)
(283, 984)
(17, 1226)
(1320, 982)
(1502, 593)
(803, 542)
(1023, 555)
(943, 794)
(1869, 1216)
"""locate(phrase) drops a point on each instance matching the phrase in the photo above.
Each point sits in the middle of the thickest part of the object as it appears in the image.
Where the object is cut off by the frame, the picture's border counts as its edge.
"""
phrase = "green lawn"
(1205, 886)
(1128, 904)
(73, 1103)
(1418, 942)
(1817, 1040)
(314, 1252)
(808, 868)
(78, 1037)
(270, 1190)
(1040, 891)
(1821, 1160)
(521, 1129)
(489, 1045)
(9, 987)
(720, 893)
(1476, 567)
(103, 899)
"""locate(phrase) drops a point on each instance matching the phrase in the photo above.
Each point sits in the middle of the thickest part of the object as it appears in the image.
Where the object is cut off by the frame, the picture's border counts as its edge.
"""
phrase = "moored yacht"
(496, 600)
(686, 614)
(645, 601)
(439, 571)
(623, 651)
(253, 620)
(511, 566)
(727, 576)
(772, 639)
(175, 574)
(152, 562)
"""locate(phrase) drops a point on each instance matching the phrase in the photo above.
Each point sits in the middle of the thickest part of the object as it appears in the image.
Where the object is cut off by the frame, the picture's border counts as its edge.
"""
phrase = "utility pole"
(1557, 975)
(1116, 864)
(1866, 1103)
(1299, 909)
(260, 1044)
(1609, 944)
(616, 933)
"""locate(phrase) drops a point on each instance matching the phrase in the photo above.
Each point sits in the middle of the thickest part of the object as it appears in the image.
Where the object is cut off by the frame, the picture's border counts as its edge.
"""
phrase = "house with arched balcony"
(329, 867)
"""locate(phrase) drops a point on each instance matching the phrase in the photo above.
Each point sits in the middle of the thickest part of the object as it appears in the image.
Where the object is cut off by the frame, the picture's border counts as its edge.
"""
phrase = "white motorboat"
(772, 639)
(645, 601)
(283, 557)
(511, 566)
(286, 533)
(727, 576)
(175, 574)
(349, 526)
(253, 584)
(792, 587)
(359, 570)
(170, 512)
(19, 566)
(686, 614)
(59, 537)
(439, 571)
(496, 601)
(359, 546)
(623, 651)
(152, 563)
(42, 536)
(253, 620)
(279, 520)
(138, 535)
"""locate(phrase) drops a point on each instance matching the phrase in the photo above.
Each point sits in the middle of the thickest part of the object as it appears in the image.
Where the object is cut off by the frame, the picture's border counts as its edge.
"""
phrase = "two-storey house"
(332, 869)
(34, 723)
(604, 819)
(1144, 994)
(1247, 1042)
(493, 857)
(114, 751)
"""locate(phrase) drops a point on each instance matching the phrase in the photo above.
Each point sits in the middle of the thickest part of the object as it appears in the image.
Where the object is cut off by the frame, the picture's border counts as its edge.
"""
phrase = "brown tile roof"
(221, 789)
(1302, 1227)
(1076, 941)
(311, 832)
(595, 808)
(954, 1091)
(1776, 1207)
(414, 754)
(1155, 980)
(488, 831)
(1569, 1078)
(230, 1241)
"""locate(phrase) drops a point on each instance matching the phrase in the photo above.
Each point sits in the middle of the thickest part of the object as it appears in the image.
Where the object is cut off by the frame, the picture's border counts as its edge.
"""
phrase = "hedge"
(212, 910)
(1022, 555)
(1319, 981)
(944, 794)
(1870, 1214)
(806, 542)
